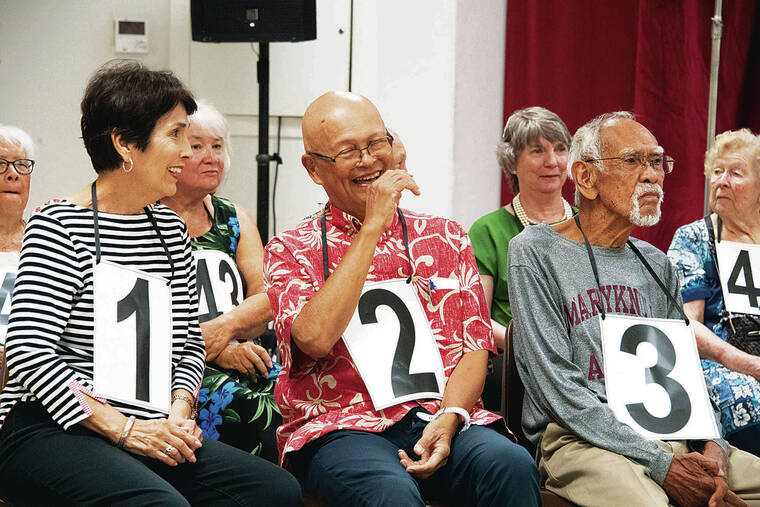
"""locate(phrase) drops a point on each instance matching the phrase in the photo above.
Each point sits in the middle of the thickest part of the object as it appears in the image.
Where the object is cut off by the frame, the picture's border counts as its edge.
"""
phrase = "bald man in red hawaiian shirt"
(385, 351)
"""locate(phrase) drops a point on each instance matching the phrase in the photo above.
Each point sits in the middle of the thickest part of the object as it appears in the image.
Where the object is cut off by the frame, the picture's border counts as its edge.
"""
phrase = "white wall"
(48, 50)
(433, 67)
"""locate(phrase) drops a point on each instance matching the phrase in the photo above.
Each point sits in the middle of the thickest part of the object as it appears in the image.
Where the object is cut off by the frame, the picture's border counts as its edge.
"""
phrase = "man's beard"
(635, 214)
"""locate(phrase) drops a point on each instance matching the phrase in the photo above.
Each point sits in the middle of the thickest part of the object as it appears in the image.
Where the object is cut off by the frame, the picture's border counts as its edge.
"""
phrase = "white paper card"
(739, 265)
(8, 268)
(133, 336)
(390, 341)
(220, 286)
(654, 378)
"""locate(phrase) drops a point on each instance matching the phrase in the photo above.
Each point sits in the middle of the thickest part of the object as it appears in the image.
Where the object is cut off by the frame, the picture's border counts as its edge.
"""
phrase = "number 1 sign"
(737, 278)
(654, 378)
(133, 334)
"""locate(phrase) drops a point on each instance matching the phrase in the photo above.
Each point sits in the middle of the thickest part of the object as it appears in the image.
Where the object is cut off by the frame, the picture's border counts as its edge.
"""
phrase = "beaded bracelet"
(125, 432)
(187, 399)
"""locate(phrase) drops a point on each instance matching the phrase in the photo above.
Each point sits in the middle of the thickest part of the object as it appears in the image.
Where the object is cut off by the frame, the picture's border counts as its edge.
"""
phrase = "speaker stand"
(263, 157)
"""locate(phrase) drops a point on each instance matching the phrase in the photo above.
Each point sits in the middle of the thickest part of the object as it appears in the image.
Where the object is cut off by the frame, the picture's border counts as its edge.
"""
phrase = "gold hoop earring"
(131, 166)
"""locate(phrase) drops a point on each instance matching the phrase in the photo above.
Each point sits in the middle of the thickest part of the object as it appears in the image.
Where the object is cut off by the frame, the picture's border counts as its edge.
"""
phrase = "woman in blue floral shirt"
(236, 402)
(733, 166)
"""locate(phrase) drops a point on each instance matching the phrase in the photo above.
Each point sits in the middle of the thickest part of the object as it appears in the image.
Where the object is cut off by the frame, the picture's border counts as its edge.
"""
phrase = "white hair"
(14, 136)
(635, 216)
(212, 122)
(587, 143)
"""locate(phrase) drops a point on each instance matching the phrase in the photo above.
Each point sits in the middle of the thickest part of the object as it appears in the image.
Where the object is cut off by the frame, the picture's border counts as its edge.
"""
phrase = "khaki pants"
(590, 476)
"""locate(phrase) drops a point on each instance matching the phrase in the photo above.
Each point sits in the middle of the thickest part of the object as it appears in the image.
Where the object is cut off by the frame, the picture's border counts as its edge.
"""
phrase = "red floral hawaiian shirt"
(320, 396)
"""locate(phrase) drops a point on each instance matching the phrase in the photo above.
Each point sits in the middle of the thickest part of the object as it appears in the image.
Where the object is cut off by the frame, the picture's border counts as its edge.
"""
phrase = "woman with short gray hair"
(532, 152)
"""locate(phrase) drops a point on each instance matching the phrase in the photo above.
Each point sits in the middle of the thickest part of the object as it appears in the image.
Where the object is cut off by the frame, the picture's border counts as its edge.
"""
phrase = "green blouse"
(490, 236)
(225, 229)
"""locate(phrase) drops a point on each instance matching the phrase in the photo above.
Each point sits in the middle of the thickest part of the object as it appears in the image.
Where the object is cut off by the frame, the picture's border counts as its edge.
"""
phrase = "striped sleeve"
(48, 281)
(192, 358)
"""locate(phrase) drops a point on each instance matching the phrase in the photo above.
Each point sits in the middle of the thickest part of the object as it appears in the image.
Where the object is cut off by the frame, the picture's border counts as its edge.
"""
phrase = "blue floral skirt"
(738, 397)
(239, 412)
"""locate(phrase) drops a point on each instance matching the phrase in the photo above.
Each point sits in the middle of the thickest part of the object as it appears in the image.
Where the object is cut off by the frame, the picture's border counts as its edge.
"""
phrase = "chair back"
(513, 392)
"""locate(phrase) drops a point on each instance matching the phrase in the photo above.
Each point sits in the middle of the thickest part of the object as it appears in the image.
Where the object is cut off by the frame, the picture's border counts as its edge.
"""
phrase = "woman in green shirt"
(532, 153)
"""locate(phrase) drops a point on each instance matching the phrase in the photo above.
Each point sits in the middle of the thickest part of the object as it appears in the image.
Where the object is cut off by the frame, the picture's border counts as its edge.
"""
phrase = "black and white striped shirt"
(49, 346)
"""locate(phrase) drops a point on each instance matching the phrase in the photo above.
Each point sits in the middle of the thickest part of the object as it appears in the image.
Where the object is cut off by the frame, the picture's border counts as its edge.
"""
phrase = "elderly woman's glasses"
(22, 165)
(381, 146)
(633, 161)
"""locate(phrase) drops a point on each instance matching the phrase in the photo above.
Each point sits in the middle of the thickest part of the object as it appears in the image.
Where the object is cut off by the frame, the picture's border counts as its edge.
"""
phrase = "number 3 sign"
(220, 286)
(390, 340)
(740, 293)
(133, 335)
(654, 378)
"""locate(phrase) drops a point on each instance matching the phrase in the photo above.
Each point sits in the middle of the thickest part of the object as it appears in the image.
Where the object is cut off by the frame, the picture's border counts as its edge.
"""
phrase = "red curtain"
(585, 57)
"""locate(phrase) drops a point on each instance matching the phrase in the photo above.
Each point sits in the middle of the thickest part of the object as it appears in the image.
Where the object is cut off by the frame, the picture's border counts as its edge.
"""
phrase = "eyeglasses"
(633, 161)
(376, 147)
(22, 166)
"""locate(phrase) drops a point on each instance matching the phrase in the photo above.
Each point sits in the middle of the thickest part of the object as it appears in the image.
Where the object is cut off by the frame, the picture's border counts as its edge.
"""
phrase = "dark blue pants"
(360, 468)
(40, 464)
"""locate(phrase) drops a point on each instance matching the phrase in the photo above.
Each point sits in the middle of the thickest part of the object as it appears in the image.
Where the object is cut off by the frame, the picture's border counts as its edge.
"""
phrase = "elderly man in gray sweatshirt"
(585, 453)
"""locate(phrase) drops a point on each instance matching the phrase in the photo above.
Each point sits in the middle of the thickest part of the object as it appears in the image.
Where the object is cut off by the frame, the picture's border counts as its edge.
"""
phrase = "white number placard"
(741, 293)
(220, 286)
(133, 337)
(390, 341)
(8, 268)
(654, 378)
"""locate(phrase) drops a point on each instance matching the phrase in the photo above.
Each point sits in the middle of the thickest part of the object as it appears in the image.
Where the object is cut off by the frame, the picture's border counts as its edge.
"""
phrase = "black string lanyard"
(152, 223)
(635, 250)
(326, 259)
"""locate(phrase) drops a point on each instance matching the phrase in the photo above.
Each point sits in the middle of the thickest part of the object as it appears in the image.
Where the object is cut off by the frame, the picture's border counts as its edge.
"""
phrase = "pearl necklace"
(522, 216)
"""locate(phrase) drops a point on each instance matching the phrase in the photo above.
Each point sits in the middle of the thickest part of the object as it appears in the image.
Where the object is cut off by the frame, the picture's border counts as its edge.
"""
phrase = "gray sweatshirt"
(557, 338)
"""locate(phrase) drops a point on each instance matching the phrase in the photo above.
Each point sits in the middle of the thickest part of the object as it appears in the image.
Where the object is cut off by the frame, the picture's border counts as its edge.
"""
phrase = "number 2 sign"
(133, 335)
(654, 378)
(737, 277)
(390, 340)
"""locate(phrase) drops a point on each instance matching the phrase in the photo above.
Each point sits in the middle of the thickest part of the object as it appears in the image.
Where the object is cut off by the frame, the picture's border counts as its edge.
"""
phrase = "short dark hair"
(126, 98)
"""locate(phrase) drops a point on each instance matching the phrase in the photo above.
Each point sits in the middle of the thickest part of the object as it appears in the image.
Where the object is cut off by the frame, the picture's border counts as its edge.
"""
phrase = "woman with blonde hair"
(733, 167)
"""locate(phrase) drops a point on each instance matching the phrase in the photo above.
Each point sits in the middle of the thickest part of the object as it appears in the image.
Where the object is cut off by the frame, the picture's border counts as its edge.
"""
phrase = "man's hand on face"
(383, 197)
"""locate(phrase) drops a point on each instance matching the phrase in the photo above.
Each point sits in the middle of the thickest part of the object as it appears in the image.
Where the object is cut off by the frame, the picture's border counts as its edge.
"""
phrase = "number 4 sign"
(654, 378)
(740, 292)
(133, 335)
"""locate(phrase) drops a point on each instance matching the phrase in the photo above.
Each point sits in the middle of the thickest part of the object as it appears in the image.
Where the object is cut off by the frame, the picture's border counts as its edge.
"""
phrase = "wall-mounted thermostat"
(131, 35)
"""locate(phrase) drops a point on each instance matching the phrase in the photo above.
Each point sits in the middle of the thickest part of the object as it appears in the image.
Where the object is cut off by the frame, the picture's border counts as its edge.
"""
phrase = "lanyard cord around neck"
(325, 256)
(635, 250)
(152, 223)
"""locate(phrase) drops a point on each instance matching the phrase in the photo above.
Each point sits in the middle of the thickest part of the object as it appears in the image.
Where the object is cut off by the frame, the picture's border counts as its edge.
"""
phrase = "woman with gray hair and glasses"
(16, 164)
(532, 152)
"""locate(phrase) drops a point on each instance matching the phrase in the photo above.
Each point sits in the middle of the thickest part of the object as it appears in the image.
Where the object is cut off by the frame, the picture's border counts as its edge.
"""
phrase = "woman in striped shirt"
(103, 346)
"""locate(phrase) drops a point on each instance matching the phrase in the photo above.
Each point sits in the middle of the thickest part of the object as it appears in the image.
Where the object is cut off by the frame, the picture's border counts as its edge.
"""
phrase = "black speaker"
(253, 20)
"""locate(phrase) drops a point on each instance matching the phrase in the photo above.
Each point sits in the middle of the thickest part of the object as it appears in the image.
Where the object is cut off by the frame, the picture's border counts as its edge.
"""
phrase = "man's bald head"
(349, 125)
(332, 113)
